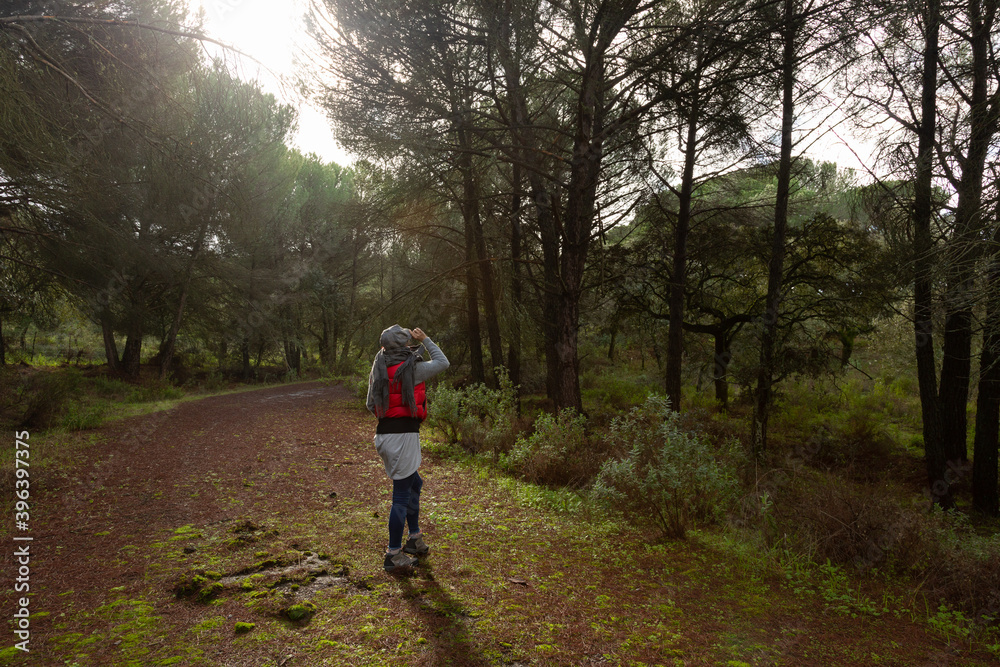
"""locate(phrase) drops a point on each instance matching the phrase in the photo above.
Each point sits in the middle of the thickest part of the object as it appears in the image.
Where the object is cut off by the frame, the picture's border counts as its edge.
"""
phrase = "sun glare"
(270, 33)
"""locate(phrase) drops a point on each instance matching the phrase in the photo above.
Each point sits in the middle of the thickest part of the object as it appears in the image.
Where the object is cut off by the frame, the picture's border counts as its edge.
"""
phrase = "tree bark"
(325, 343)
(956, 367)
(720, 369)
(474, 226)
(675, 330)
(984, 457)
(352, 303)
(132, 354)
(934, 454)
(547, 221)
(769, 323)
(245, 356)
(489, 295)
(565, 234)
(3, 346)
(293, 356)
(110, 345)
(472, 306)
(516, 290)
(167, 353)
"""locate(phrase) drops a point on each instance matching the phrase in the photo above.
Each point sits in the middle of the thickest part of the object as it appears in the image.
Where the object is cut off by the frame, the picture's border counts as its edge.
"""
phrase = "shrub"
(963, 567)
(215, 381)
(477, 417)
(36, 400)
(79, 417)
(357, 385)
(554, 453)
(669, 479)
(827, 517)
(612, 393)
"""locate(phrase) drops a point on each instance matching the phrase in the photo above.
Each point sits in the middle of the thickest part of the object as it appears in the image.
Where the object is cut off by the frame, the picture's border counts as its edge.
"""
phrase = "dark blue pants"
(405, 508)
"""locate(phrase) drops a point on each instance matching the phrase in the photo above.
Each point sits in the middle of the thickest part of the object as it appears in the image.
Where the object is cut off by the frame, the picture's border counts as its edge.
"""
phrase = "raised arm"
(437, 363)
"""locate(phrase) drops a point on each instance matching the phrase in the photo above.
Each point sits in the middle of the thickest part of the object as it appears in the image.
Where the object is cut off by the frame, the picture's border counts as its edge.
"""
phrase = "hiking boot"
(416, 545)
(398, 561)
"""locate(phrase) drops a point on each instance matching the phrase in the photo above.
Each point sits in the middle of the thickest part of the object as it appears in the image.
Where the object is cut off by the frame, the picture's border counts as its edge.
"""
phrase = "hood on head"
(395, 336)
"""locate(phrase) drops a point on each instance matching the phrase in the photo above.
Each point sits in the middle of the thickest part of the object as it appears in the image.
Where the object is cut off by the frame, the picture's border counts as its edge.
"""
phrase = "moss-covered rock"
(300, 612)
(242, 628)
(189, 583)
(209, 592)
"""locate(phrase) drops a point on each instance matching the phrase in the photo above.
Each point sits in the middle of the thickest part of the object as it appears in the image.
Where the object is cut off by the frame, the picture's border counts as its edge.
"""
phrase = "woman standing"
(397, 396)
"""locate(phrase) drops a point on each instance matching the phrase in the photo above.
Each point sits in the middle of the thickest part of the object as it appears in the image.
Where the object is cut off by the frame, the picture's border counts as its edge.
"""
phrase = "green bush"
(79, 417)
(611, 393)
(670, 479)
(555, 451)
(215, 381)
(477, 418)
(828, 518)
(963, 566)
(36, 400)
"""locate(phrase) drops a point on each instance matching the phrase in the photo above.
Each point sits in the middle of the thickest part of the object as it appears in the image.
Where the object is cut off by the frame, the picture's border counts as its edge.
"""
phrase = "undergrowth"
(824, 514)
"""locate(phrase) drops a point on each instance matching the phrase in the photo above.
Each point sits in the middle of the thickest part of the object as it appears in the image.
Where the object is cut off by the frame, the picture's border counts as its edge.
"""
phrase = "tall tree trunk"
(547, 220)
(566, 238)
(132, 354)
(934, 454)
(488, 291)
(352, 303)
(567, 352)
(245, 356)
(325, 343)
(293, 356)
(984, 456)
(578, 221)
(516, 289)
(167, 351)
(769, 324)
(615, 324)
(110, 345)
(472, 307)
(3, 346)
(675, 330)
(956, 367)
(545, 203)
(720, 369)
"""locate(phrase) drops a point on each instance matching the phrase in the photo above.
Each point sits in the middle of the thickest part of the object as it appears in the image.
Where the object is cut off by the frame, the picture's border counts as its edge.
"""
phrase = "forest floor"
(154, 536)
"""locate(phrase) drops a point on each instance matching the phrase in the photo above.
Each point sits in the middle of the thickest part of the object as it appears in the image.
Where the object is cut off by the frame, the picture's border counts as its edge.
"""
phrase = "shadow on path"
(448, 622)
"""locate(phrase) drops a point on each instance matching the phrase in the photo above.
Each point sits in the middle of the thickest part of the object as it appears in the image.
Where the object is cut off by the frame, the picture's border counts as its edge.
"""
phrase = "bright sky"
(271, 32)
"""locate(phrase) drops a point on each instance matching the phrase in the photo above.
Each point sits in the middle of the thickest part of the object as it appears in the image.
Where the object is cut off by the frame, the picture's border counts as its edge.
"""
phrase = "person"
(397, 396)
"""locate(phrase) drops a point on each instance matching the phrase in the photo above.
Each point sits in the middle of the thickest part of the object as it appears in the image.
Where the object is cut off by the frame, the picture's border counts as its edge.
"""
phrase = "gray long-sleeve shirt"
(400, 452)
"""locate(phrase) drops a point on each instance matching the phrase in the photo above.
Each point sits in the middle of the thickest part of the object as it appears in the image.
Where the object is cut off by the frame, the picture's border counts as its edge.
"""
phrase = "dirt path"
(155, 536)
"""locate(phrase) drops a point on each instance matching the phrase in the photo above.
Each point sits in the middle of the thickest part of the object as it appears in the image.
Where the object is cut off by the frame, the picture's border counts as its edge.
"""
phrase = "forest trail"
(271, 503)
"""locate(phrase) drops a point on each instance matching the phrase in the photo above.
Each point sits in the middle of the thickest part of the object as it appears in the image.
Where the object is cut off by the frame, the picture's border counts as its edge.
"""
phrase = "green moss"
(300, 612)
(188, 584)
(242, 628)
(209, 592)
(210, 623)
